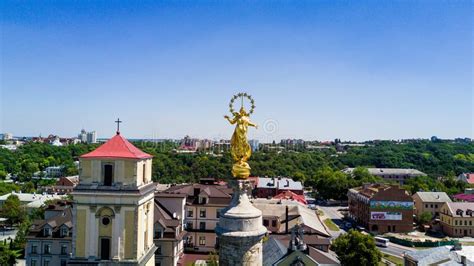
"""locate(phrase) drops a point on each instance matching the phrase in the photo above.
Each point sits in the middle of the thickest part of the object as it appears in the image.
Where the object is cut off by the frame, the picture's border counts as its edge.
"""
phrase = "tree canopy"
(355, 248)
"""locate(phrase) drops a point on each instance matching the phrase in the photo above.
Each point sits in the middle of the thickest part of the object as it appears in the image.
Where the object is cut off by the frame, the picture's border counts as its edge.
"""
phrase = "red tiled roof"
(470, 178)
(464, 197)
(291, 195)
(117, 147)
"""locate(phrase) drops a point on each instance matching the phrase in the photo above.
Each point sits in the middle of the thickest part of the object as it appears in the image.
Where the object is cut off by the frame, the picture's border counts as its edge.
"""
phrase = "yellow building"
(113, 206)
(457, 219)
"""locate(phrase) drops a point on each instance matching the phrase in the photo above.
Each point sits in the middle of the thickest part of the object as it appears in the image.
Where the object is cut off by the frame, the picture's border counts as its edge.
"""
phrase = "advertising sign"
(401, 205)
(393, 216)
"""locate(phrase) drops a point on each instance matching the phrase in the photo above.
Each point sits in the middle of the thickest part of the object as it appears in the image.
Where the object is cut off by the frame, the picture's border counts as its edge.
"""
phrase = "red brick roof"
(117, 147)
(291, 196)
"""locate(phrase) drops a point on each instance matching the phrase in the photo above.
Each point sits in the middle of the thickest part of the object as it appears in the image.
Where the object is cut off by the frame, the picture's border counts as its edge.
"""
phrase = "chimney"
(286, 219)
(287, 183)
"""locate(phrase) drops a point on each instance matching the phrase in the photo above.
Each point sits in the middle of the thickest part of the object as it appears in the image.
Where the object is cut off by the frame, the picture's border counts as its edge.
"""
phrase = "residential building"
(203, 205)
(49, 240)
(429, 202)
(169, 230)
(398, 175)
(381, 208)
(457, 219)
(53, 171)
(445, 255)
(87, 137)
(114, 206)
(254, 144)
(7, 136)
(266, 187)
(466, 177)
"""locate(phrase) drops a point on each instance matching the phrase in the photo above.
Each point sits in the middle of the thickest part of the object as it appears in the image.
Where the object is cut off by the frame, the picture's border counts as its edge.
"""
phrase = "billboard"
(393, 216)
(390, 204)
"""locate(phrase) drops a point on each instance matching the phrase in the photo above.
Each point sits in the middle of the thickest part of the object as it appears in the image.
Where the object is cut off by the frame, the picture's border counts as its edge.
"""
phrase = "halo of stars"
(242, 94)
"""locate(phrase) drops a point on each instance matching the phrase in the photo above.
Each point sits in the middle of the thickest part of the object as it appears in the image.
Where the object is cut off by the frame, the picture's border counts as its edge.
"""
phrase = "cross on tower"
(118, 125)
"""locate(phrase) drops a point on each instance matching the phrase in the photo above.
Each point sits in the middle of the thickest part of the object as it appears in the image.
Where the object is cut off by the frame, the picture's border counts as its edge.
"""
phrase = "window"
(189, 225)
(202, 200)
(265, 222)
(105, 220)
(158, 250)
(64, 231)
(202, 240)
(63, 263)
(218, 213)
(190, 213)
(274, 223)
(426, 206)
(436, 206)
(158, 233)
(202, 225)
(34, 249)
(63, 249)
(455, 222)
(47, 249)
(108, 174)
(34, 262)
(465, 222)
(144, 173)
(47, 231)
(202, 213)
(46, 262)
(431, 206)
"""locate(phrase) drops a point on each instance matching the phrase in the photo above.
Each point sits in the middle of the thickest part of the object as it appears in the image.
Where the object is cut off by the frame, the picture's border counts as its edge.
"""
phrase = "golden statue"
(239, 147)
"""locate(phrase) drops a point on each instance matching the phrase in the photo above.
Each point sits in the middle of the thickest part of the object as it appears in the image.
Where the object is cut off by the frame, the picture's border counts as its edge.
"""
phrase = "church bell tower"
(113, 206)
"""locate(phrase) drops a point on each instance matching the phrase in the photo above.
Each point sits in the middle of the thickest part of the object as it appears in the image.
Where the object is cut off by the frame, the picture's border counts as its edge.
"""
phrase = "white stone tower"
(240, 230)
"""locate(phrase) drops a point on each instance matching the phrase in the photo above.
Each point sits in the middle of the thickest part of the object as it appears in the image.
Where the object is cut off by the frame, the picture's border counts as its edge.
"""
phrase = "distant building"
(7, 136)
(429, 202)
(467, 196)
(398, 175)
(266, 187)
(87, 137)
(203, 205)
(49, 240)
(64, 185)
(466, 177)
(254, 144)
(445, 255)
(457, 219)
(54, 171)
(30, 200)
(381, 208)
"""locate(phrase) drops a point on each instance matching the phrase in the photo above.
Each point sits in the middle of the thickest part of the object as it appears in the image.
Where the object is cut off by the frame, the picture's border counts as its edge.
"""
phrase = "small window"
(218, 213)
(47, 249)
(34, 249)
(189, 225)
(202, 213)
(105, 220)
(190, 213)
(34, 262)
(144, 173)
(274, 223)
(426, 206)
(63, 263)
(158, 250)
(265, 222)
(63, 249)
(46, 262)
(436, 206)
(64, 231)
(202, 240)
(202, 226)
(47, 231)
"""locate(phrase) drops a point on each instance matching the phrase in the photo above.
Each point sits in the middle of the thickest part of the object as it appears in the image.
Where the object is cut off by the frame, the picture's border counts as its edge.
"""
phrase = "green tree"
(12, 210)
(355, 248)
(425, 218)
(8, 256)
(28, 187)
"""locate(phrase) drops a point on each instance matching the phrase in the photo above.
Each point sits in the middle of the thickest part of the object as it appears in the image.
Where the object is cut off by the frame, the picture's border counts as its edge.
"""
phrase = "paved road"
(395, 250)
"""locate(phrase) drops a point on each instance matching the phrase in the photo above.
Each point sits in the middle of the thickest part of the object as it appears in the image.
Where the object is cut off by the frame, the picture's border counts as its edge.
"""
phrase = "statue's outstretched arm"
(232, 121)
(253, 124)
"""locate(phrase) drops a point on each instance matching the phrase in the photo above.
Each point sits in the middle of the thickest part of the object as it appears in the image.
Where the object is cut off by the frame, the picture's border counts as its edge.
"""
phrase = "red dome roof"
(117, 147)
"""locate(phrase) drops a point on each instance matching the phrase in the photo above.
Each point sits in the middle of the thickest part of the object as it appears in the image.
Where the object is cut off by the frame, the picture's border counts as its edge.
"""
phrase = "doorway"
(108, 175)
(105, 248)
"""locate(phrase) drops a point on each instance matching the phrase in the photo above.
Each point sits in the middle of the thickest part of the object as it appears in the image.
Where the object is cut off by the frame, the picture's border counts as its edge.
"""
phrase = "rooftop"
(433, 196)
(117, 147)
(279, 182)
(390, 171)
(444, 255)
(458, 209)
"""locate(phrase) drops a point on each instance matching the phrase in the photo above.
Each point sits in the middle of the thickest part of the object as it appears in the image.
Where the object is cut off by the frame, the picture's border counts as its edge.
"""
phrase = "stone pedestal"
(240, 230)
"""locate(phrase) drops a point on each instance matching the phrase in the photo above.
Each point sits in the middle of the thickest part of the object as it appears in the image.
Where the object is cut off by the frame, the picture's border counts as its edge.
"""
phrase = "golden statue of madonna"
(239, 147)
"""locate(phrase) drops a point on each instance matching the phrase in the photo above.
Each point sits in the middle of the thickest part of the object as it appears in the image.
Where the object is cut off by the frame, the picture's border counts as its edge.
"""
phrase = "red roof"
(470, 178)
(117, 147)
(464, 197)
(291, 196)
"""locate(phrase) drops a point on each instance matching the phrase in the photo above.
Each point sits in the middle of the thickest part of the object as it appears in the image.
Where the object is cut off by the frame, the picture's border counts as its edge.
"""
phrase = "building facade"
(48, 241)
(457, 219)
(266, 187)
(429, 202)
(114, 206)
(398, 175)
(203, 205)
(381, 208)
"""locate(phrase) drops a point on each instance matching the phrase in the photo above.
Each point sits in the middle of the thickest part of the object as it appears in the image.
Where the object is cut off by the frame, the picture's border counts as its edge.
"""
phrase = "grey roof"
(433, 196)
(273, 250)
(281, 183)
(442, 256)
(463, 206)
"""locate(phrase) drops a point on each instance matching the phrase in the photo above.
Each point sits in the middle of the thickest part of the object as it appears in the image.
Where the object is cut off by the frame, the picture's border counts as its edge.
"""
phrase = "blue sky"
(354, 70)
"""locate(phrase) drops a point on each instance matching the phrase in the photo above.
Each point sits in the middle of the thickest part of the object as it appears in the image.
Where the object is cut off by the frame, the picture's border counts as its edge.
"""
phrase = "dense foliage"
(355, 248)
(320, 169)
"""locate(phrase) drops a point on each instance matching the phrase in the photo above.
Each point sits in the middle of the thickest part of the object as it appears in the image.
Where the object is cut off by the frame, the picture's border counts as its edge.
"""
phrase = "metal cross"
(118, 125)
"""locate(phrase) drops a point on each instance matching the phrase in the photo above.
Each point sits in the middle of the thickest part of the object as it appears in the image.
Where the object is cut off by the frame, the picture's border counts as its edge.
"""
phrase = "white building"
(87, 137)
(7, 136)
(53, 171)
(30, 200)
